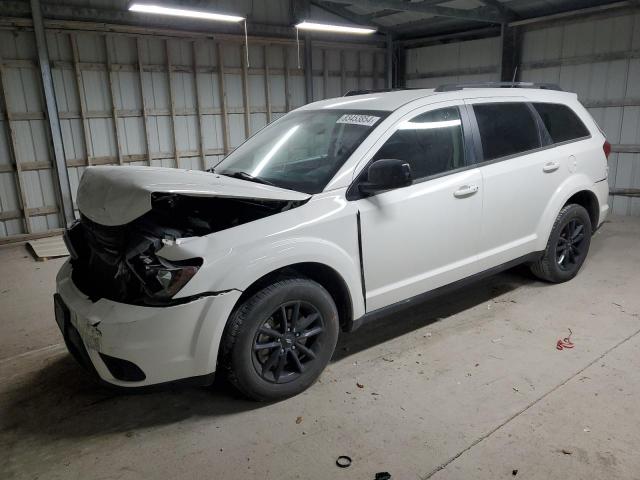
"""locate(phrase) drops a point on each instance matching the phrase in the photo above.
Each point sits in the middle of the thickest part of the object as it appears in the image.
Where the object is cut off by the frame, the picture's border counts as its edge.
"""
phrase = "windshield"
(301, 151)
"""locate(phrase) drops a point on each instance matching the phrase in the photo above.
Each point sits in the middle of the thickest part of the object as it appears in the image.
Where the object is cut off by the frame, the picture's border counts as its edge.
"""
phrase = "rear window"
(561, 122)
(506, 129)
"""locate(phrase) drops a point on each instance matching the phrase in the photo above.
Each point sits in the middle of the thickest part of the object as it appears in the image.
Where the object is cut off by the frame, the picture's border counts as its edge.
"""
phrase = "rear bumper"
(165, 343)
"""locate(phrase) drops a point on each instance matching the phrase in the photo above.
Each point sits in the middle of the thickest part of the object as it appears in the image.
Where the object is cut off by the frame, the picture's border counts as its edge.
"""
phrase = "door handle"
(465, 191)
(551, 167)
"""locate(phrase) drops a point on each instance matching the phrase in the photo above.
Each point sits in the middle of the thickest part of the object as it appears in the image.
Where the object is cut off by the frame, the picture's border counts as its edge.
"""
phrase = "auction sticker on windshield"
(354, 119)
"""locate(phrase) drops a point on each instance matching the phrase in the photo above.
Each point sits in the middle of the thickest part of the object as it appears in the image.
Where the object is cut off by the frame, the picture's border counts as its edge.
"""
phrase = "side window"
(506, 129)
(561, 122)
(430, 143)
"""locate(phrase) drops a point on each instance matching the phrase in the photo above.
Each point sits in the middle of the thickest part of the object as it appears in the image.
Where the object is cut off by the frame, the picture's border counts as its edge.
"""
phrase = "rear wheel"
(280, 339)
(567, 247)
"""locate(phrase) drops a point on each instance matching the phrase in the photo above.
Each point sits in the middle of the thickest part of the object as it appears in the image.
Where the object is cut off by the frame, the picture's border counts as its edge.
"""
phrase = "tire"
(256, 339)
(562, 259)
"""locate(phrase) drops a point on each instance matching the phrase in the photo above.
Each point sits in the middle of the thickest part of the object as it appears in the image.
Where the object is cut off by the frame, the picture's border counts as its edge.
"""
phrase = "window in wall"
(506, 129)
(561, 122)
(430, 143)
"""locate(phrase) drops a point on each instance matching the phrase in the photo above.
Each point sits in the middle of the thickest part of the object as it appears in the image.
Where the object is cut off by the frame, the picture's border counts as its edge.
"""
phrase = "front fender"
(323, 231)
(571, 186)
(271, 257)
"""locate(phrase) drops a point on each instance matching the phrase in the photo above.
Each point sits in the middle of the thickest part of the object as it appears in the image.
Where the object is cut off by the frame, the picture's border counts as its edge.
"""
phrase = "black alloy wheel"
(569, 249)
(285, 345)
(279, 339)
(567, 246)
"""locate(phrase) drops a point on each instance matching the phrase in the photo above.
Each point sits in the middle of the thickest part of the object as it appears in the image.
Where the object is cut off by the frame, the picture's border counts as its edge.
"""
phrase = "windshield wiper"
(248, 177)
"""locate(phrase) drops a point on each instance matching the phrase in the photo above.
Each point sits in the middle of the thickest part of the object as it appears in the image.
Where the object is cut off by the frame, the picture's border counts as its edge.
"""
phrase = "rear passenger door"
(520, 174)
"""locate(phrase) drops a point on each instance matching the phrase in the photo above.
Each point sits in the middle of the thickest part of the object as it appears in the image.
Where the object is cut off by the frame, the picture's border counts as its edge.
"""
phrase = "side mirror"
(386, 174)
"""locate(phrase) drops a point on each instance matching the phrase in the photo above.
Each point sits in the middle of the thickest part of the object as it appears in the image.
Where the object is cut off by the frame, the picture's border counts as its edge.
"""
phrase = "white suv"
(338, 212)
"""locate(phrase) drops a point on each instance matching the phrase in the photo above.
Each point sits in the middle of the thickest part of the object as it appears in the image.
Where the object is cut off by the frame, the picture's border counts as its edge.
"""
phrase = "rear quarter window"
(562, 123)
(506, 129)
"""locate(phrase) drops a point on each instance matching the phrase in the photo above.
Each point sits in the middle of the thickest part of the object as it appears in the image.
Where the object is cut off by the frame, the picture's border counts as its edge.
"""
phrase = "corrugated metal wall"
(459, 62)
(141, 99)
(599, 58)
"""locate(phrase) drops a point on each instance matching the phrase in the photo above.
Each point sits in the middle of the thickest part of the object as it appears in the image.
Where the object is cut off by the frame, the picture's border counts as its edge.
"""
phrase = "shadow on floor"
(439, 308)
(61, 400)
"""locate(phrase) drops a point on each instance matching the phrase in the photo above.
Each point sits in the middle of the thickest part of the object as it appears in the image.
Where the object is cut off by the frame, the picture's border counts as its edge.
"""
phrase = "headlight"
(173, 279)
(162, 278)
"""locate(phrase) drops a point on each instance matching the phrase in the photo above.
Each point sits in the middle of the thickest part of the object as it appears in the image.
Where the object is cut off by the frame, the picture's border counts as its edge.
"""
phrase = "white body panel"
(413, 239)
(115, 196)
(399, 246)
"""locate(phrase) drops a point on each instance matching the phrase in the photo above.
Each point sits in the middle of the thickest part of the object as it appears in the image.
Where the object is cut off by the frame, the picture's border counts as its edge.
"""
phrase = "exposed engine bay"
(120, 262)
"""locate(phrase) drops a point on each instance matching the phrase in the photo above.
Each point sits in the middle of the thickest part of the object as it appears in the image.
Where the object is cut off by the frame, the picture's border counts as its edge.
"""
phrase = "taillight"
(607, 149)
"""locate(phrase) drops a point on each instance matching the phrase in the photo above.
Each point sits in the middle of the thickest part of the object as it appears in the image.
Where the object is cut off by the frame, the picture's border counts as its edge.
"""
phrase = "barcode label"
(354, 119)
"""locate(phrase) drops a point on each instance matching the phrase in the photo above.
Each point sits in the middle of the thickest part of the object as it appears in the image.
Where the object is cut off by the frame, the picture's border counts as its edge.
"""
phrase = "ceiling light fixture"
(180, 12)
(327, 27)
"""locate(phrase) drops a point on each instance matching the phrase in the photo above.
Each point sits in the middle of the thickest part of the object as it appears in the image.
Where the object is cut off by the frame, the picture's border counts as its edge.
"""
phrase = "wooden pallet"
(48, 248)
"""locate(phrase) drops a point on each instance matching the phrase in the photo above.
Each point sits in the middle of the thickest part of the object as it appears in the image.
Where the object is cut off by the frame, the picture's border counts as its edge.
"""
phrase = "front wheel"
(280, 339)
(567, 247)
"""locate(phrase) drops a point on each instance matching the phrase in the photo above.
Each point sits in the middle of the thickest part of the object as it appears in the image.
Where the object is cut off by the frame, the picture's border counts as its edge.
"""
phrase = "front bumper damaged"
(134, 346)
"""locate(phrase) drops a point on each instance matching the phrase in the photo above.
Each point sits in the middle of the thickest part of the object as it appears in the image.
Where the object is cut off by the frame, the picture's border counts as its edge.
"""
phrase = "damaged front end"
(121, 263)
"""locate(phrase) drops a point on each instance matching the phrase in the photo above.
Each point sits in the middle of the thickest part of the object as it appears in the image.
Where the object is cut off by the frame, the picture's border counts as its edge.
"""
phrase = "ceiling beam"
(482, 14)
(483, 32)
(507, 12)
(347, 14)
(379, 14)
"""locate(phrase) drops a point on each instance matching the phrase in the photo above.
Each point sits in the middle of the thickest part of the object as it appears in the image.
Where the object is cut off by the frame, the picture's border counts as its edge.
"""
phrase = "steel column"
(308, 68)
(60, 170)
(510, 53)
(389, 62)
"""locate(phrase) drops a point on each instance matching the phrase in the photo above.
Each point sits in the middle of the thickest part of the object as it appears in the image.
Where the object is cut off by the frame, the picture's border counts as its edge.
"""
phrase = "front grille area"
(99, 261)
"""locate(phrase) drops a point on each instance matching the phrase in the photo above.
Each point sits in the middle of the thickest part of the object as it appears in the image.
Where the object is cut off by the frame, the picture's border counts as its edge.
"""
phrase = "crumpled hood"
(117, 195)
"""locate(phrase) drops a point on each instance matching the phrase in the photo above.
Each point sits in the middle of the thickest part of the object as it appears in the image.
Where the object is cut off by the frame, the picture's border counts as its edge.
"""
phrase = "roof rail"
(461, 86)
(351, 93)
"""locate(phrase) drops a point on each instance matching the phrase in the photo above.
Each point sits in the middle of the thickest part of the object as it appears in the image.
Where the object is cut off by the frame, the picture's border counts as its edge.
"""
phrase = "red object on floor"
(565, 342)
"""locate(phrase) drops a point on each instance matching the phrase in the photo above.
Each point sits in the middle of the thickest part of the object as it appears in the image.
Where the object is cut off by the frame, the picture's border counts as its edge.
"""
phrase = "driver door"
(423, 236)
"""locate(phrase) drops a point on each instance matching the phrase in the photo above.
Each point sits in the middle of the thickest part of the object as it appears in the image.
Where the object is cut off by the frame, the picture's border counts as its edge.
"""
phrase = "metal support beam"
(482, 14)
(143, 97)
(510, 53)
(484, 32)
(223, 100)
(112, 94)
(246, 102)
(388, 67)
(308, 68)
(86, 131)
(348, 15)
(196, 84)
(172, 102)
(400, 73)
(325, 74)
(343, 74)
(267, 83)
(60, 170)
(584, 13)
(13, 150)
(287, 82)
(501, 7)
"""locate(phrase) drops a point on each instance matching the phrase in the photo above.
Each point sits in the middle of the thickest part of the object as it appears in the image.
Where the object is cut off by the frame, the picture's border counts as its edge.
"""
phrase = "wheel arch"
(321, 273)
(587, 199)
(577, 189)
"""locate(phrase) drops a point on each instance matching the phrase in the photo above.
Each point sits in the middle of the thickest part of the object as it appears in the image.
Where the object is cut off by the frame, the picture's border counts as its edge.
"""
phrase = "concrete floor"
(467, 386)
